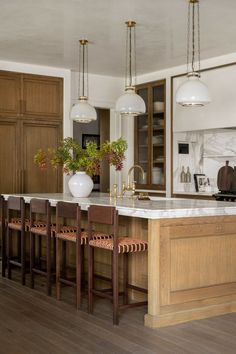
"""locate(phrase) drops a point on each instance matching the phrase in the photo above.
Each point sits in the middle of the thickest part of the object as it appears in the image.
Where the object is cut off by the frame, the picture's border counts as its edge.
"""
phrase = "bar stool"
(65, 234)
(41, 229)
(74, 234)
(117, 245)
(3, 235)
(15, 221)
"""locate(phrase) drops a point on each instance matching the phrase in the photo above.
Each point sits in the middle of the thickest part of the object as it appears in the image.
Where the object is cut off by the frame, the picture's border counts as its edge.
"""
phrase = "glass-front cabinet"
(150, 137)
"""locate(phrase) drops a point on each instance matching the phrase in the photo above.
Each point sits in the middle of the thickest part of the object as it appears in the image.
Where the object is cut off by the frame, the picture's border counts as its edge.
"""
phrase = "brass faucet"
(129, 187)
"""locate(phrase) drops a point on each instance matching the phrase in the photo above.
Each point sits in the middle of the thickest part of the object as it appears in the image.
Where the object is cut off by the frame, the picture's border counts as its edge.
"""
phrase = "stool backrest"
(102, 214)
(1, 207)
(42, 207)
(15, 203)
(1, 211)
(106, 215)
(70, 211)
(39, 206)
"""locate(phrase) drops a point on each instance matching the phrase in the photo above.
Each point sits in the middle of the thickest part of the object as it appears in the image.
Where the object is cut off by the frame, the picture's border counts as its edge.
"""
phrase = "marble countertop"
(155, 208)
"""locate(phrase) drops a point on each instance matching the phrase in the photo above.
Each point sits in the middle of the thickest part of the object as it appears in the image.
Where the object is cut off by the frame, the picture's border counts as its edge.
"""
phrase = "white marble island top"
(156, 208)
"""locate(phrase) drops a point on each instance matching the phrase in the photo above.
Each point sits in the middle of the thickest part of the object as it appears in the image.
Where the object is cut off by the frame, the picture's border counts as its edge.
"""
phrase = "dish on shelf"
(158, 106)
(159, 159)
(157, 139)
(144, 127)
(157, 126)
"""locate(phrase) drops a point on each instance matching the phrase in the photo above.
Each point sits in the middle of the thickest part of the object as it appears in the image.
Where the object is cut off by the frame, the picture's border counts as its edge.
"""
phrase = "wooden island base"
(191, 269)
(190, 266)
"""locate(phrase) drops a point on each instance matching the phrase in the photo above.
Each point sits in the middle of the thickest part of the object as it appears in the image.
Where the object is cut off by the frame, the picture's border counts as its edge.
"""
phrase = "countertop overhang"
(155, 208)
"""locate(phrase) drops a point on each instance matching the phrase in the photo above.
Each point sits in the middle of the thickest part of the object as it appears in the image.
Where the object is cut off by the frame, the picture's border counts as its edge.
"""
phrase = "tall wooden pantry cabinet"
(31, 117)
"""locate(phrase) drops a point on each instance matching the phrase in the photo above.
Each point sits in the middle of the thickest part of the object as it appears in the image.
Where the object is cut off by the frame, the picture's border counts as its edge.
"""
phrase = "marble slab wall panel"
(193, 160)
(208, 151)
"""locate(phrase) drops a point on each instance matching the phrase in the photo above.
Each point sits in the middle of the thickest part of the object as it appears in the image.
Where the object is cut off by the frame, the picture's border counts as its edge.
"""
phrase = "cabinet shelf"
(156, 162)
(221, 156)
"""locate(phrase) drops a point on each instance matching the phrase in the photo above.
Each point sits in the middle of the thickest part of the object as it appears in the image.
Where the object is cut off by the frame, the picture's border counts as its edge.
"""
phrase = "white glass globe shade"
(192, 92)
(130, 103)
(83, 112)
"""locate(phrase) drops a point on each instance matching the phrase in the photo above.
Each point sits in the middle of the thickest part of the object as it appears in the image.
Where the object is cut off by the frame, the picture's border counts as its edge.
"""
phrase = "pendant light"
(130, 104)
(82, 111)
(193, 92)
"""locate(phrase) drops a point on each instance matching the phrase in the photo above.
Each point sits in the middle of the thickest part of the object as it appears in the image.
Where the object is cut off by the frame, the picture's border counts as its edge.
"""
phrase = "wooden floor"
(32, 323)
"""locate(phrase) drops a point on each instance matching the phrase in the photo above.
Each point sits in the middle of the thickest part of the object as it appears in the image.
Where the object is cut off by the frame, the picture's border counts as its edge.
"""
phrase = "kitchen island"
(191, 272)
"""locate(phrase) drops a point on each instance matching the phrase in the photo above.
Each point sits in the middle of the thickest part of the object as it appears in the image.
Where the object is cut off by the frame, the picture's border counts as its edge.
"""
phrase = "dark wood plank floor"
(32, 323)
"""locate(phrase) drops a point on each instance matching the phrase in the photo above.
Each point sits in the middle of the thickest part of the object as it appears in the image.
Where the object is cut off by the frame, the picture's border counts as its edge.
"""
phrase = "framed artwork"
(202, 183)
(95, 138)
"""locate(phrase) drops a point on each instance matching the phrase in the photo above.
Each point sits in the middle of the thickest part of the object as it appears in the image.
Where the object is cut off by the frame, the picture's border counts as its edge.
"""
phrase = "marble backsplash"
(208, 151)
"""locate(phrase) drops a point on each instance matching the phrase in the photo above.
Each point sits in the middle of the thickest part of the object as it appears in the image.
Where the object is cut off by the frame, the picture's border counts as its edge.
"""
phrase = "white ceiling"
(46, 32)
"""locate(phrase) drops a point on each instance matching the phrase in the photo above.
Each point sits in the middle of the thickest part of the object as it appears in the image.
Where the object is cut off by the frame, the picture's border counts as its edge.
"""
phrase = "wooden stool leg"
(49, 287)
(54, 253)
(78, 274)
(3, 249)
(23, 257)
(9, 252)
(32, 259)
(63, 257)
(115, 280)
(58, 269)
(19, 242)
(90, 278)
(125, 278)
(39, 252)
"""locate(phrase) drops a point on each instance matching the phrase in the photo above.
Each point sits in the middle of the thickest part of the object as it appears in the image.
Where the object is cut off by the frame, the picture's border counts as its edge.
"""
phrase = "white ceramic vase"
(80, 185)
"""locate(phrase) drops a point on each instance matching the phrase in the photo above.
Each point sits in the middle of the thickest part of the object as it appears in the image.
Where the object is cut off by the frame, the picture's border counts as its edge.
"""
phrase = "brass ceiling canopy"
(130, 23)
(83, 41)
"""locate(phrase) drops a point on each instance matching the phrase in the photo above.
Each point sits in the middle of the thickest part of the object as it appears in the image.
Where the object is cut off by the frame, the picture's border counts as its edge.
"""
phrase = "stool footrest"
(133, 304)
(102, 294)
(15, 263)
(137, 288)
(67, 282)
(39, 271)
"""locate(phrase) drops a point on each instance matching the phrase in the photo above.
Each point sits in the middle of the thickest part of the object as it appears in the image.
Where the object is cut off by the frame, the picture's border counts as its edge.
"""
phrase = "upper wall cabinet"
(149, 137)
(31, 96)
(42, 96)
(10, 88)
(219, 113)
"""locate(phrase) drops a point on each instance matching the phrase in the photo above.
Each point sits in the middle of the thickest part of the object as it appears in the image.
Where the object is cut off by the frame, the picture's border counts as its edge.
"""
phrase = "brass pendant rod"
(130, 58)
(193, 35)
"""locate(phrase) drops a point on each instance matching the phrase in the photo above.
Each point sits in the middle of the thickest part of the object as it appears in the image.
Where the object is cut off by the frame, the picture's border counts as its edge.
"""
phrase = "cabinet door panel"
(149, 136)
(10, 172)
(42, 97)
(36, 136)
(9, 94)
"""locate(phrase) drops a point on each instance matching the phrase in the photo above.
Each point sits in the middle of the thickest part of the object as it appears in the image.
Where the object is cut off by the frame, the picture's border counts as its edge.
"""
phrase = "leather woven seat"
(125, 244)
(117, 245)
(15, 223)
(68, 235)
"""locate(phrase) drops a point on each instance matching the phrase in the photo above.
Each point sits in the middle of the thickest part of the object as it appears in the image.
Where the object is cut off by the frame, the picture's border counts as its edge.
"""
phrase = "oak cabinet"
(10, 94)
(30, 118)
(149, 137)
(42, 97)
